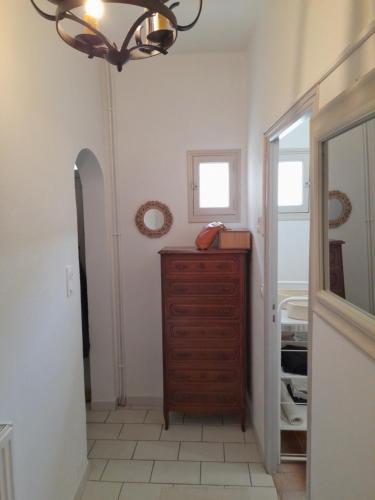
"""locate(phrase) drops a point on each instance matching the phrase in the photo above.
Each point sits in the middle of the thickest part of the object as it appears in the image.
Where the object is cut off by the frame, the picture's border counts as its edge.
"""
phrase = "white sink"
(285, 293)
(298, 310)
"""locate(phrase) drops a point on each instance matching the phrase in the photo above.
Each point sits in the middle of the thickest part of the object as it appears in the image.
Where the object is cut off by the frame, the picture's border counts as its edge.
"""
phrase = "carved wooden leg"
(166, 419)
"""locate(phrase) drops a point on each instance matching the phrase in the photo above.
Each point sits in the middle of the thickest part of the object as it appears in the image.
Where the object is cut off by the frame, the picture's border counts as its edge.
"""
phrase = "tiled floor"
(132, 457)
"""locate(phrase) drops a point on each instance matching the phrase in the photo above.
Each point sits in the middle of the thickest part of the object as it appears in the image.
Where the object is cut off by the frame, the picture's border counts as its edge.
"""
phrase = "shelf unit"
(289, 329)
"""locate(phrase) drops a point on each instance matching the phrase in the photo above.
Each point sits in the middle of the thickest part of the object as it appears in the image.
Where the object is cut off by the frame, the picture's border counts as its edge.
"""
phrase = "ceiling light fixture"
(153, 33)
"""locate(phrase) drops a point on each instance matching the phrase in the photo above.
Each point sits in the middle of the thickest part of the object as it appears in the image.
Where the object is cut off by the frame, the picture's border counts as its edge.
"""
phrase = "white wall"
(293, 251)
(294, 43)
(165, 107)
(343, 418)
(49, 102)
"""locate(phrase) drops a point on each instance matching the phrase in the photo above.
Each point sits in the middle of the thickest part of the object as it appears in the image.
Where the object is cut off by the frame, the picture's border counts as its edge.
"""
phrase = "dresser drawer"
(182, 396)
(177, 309)
(207, 265)
(177, 333)
(188, 357)
(182, 288)
(204, 376)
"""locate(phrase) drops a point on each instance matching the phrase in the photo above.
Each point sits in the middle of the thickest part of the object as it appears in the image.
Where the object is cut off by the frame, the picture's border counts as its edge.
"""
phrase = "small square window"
(293, 182)
(214, 180)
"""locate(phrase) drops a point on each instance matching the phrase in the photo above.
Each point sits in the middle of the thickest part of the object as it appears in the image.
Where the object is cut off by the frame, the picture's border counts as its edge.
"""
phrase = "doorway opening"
(94, 245)
(287, 297)
(83, 282)
(287, 291)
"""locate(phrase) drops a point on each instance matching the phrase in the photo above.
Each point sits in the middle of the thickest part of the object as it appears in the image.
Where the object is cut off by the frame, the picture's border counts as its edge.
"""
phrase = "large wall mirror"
(349, 214)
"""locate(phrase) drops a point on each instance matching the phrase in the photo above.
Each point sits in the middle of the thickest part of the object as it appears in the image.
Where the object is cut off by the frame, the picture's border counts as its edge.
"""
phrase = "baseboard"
(82, 483)
(103, 405)
(146, 401)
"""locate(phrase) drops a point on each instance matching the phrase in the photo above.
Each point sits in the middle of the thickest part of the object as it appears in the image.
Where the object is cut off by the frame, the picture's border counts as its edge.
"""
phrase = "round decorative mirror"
(154, 219)
(339, 208)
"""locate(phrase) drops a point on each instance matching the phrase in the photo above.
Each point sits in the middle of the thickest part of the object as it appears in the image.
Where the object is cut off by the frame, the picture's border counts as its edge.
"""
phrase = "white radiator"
(6, 464)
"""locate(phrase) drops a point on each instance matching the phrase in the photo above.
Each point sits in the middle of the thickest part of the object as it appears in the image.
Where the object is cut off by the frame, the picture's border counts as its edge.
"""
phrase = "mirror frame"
(140, 219)
(349, 109)
(346, 209)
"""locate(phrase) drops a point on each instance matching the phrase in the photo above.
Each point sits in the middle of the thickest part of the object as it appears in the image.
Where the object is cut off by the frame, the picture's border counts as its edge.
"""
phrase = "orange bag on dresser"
(206, 237)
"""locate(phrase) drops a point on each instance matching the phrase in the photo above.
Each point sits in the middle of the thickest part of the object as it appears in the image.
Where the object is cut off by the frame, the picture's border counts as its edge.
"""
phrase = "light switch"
(69, 280)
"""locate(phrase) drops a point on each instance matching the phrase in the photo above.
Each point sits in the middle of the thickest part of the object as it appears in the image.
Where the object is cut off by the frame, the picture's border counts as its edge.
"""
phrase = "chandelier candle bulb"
(93, 21)
(94, 9)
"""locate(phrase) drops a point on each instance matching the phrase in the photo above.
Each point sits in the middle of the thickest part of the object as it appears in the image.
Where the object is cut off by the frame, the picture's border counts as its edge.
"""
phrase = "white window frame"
(297, 211)
(227, 214)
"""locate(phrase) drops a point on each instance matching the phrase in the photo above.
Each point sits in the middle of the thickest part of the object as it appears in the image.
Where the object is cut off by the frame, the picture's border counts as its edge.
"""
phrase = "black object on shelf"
(294, 359)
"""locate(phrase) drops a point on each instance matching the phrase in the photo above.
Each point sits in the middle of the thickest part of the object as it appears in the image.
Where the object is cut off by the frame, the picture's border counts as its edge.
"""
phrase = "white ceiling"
(225, 25)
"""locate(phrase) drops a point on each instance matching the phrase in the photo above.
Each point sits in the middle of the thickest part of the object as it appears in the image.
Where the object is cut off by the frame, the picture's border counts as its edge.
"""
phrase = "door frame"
(307, 104)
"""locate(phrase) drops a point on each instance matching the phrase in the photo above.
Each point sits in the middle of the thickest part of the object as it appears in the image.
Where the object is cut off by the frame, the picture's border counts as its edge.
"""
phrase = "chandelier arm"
(174, 5)
(49, 17)
(148, 46)
(188, 27)
(82, 47)
(73, 17)
(134, 28)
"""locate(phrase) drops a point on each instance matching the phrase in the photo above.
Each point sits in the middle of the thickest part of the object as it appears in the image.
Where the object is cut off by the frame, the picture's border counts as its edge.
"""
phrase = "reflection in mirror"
(350, 173)
(339, 208)
(334, 209)
(154, 219)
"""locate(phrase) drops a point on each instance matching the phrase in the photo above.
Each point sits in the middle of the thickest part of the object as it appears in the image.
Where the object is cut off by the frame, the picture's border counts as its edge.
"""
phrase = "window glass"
(214, 185)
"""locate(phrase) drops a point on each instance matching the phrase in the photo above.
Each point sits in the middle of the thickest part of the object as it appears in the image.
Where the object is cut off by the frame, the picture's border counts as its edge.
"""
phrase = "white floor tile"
(194, 493)
(176, 472)
(101, 491)
(96, 469)
(236, 493)
(223, 434)
(103, 431)
(259, 476)
(203, 419)
(225, 474)
(202, 452)
(127, 416)
(96, 416)
(129, 471)
(218, 493)
(157, 417)
(250, 436)
(143, 491)
(156, 450)
(182, 433)
(235, 452)
(113, 449)
(141, 432)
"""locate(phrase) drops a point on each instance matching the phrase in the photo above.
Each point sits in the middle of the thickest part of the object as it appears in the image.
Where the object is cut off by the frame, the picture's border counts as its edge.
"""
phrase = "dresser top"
(193, 250)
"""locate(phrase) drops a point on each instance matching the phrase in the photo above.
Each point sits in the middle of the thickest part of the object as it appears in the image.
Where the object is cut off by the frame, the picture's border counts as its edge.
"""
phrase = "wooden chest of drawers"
(204, 331)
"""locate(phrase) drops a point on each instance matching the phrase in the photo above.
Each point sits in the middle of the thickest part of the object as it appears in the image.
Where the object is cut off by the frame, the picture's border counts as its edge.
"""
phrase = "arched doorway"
(95, 270)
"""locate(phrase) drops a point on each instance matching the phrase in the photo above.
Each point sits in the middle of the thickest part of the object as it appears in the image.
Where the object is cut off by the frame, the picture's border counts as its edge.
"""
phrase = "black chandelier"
(153, 33)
